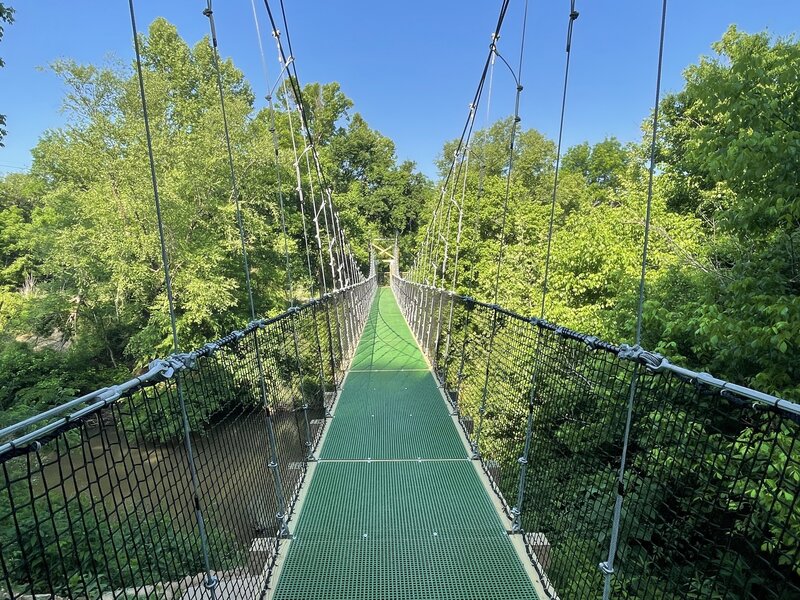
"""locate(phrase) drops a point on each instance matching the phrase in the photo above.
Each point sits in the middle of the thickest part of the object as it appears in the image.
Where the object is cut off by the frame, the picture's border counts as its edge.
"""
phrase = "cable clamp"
(208, 12)
(606, 568)
(184, 360)
(574, 15)
(522, 460)
(211, 348)
(627, 352)
(255, 324)
(167, 369)
(652, 360)
(592, 341)
(211, 582)
(237, 335)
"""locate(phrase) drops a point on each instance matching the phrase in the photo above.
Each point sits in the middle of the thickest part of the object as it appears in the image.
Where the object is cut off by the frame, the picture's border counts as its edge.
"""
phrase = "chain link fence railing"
(178, 483)
(708, 505)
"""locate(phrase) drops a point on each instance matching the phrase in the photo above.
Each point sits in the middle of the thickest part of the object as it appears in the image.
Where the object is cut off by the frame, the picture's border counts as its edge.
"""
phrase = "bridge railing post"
(334, 299)
(431, 326)
(429, 312)
(341, 316)
(420, 305)
(469, 308)
(516, 511)
(476, 454)
(320, 360)
(437, 338)
(411, 296)
(350, 313)
(326, 302)
(422, 295)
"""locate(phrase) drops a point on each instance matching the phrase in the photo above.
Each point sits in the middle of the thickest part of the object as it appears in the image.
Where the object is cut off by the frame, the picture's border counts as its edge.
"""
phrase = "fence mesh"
(710, 504)
(97, 498)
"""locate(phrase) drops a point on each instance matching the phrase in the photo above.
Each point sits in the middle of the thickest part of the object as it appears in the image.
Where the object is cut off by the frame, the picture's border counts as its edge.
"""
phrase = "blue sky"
(411, 67)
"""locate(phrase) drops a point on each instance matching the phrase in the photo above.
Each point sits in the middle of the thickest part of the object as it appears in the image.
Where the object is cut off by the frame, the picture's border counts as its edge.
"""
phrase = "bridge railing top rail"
(158, 370)
(654, 362)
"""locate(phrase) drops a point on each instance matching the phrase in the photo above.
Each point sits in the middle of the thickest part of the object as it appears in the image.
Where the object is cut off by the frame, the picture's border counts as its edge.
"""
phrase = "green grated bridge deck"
(395, 508)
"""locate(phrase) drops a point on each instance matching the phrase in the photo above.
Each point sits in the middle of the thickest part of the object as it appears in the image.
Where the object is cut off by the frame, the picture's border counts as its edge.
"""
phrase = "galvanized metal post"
(468, 304)
(516, 511)
(281, 516)
(476, 455)
(295, 314)
(308, 443)
(326, 301)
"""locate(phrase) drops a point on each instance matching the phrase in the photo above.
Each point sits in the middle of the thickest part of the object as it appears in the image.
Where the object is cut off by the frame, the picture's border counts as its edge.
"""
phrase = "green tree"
(730, 153)
(6, 16)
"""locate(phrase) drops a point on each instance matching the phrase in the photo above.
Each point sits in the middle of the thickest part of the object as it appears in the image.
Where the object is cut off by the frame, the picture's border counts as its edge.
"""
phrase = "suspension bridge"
(401, 441)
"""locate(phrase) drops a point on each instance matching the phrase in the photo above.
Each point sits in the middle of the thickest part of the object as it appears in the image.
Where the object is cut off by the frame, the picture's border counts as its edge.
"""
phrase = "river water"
(132, 478)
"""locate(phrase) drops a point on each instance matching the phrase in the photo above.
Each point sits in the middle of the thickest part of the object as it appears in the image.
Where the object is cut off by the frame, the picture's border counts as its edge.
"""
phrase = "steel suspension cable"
(301, 196)
(298, 92)
(475, 103)
(211, 581)
(573, 15)
(281, 516)
(285, 62)
(301, 199)
(321, 209)
(209, 12)
(289, 282)
(276, 147)
(482, 163)
(516, 511)
(493, 332)
(462, 203)
(452, 202)
(454, 280)
(514, 125)
(607, 567)
(317, 232)
(463, 167)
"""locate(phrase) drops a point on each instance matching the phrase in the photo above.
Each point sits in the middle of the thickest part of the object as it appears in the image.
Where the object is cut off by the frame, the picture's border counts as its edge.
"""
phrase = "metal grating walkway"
(395, 509)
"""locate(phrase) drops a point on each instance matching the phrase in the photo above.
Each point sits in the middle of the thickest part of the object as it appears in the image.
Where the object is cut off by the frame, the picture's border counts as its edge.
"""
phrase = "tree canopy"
(80, 263)
(722, 281)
